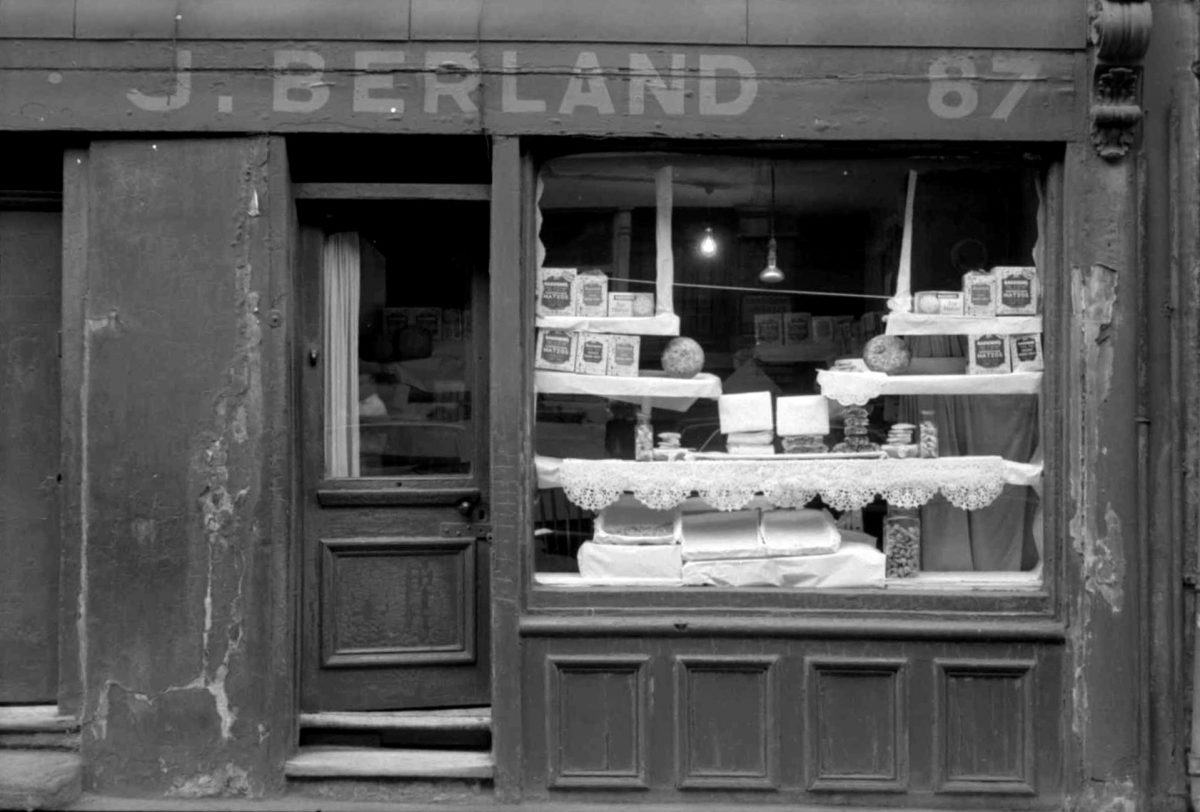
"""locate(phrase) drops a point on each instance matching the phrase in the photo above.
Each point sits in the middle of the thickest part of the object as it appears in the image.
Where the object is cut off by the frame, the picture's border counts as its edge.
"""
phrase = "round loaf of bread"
(886, 353)
(683, 357)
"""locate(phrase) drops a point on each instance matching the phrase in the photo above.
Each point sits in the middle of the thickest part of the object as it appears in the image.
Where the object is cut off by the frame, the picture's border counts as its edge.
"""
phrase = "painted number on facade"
(954, 84)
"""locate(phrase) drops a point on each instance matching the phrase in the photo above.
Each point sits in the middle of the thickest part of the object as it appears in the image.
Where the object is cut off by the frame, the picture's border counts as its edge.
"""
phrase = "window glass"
(397, 332)
(858, 419)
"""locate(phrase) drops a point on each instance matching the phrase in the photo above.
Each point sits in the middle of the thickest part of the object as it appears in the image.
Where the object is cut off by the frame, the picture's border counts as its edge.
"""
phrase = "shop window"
(765, 370)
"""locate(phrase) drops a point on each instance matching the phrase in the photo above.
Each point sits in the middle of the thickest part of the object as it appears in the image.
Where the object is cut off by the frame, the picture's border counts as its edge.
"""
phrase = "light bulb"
(708, 243)
(771, 275)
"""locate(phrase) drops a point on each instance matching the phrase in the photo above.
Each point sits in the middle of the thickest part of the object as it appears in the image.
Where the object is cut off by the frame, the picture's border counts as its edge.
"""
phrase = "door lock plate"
(461, 530)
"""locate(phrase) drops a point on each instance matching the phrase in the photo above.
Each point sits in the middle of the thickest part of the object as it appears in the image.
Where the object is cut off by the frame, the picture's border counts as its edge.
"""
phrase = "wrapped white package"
(853, 565)
(766, 449)
(732, 534)
(628, 521)
(798, 532)
(750, 438)
(748, 411)
(801, 414)
(621, 561)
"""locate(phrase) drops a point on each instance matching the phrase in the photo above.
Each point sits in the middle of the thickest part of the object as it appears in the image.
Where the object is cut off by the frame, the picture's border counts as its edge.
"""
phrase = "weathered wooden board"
(30, 301)
(913, 23)
(530, 88)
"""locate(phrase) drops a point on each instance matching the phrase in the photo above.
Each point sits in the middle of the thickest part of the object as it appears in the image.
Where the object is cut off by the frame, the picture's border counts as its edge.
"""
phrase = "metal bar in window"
(393, 191)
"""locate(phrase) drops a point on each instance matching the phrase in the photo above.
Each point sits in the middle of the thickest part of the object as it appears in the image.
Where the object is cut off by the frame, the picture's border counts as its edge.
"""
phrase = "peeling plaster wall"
(1104, 607)
(176, 634)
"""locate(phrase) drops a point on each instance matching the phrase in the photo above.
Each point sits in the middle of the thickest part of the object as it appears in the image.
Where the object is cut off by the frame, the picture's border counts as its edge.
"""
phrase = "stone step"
(39, 779)
(37, 727)
(388, 763)
(466, 720)
(35, 719)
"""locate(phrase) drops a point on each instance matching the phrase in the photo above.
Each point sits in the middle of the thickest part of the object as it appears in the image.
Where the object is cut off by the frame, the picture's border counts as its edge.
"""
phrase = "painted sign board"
(541, 88)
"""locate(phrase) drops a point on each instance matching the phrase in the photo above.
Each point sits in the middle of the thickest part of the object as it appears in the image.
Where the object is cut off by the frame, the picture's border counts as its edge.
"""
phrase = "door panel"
(395, 443)
(30, 314)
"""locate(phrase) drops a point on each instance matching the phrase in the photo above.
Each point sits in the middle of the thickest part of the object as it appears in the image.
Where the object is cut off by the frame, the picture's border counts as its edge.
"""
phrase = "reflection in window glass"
(398, 339)
(836, 231)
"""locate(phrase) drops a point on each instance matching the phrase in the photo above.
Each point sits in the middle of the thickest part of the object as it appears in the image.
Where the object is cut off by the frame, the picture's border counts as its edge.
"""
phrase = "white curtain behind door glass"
(340, 282)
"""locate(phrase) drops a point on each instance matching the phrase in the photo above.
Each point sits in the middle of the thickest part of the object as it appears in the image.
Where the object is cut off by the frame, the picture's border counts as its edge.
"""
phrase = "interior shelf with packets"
(569, 299)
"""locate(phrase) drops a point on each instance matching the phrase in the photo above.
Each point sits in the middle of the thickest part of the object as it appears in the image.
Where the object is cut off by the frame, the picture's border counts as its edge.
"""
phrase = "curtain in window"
(340, 282)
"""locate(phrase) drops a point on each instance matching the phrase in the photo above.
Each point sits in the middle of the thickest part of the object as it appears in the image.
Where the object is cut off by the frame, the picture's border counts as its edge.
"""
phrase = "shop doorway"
(395, 440)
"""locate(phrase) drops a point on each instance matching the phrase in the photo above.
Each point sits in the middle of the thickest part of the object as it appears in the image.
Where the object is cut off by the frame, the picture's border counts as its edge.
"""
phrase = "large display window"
(769, 370)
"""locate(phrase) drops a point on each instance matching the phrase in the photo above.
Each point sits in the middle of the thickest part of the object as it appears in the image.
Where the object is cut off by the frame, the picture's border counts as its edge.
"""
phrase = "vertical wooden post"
(1104, 565)
(511, 451)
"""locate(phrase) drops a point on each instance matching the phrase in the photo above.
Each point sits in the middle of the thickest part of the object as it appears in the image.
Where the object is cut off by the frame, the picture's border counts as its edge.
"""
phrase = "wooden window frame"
(1030, 611)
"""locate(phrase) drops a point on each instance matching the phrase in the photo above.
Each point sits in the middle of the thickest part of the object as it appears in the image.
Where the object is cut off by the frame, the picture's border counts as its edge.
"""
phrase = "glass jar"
(643, 439)
(902, 542)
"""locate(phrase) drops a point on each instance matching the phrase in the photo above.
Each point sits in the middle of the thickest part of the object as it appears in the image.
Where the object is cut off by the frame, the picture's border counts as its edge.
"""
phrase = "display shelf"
(796, 353)
(664, 324)
(932, 325)
(856, 388)
(646, 385)
(968, 482)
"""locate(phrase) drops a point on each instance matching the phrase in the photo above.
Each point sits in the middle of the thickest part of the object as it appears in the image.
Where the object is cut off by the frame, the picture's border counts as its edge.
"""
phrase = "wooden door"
(395, 443)
(30, 314)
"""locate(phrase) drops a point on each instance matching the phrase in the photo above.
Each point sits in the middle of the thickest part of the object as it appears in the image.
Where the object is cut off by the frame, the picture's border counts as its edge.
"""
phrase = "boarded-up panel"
(391, 601)
(857, 733)
(30, 313)
(185, 430)
(596, 721)
(985, 726)
(726, 714)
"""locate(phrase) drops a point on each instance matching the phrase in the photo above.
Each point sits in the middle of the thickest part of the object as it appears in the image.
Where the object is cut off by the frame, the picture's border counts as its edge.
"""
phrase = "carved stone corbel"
(1121, 31)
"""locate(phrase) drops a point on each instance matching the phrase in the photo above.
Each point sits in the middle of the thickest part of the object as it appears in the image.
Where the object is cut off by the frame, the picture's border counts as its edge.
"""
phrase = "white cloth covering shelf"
(664, 324)
(856, 388)
(677, 394)
(899, 323)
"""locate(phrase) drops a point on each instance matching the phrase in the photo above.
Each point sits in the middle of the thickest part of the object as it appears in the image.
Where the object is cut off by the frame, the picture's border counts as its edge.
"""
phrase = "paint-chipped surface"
(174, 443)
(1095, 536)
(1107, 796)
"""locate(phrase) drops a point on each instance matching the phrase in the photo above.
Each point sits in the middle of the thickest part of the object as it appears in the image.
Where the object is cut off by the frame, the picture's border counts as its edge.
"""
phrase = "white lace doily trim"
(967, 482)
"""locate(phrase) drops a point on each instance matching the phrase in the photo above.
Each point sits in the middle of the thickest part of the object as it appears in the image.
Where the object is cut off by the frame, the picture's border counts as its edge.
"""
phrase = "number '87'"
(953, 90)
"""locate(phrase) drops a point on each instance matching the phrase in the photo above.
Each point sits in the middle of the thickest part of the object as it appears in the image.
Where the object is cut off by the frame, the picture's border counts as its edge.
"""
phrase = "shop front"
(725, 407)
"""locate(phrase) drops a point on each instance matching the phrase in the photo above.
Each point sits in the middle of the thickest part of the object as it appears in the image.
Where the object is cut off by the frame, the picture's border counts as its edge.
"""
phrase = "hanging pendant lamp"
(771, 275)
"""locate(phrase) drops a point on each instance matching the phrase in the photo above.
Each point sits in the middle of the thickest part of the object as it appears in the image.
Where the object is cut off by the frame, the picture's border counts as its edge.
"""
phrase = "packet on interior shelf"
(938, 302)
(979, 294)
(797, 328)
(556, 292)
(591, 293)
(631, 305)
(1017, 290)
(768, 329)
(557, 350)
(592, 356)
(624, 355)
(1026, 352)
(824, 329)
(988, 355)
